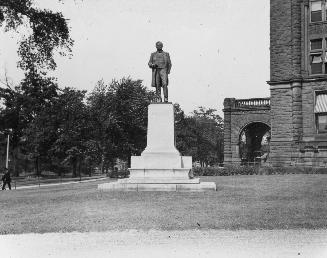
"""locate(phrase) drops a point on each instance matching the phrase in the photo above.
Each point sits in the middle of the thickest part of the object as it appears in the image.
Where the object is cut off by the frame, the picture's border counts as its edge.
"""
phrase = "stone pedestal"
(160, 166)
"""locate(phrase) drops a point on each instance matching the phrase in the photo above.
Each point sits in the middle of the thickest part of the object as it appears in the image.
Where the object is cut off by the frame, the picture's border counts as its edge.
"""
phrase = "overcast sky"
(218, 48)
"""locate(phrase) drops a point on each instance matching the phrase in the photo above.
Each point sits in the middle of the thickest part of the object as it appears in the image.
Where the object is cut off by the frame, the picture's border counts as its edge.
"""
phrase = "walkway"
(56, 184)
(191, 243)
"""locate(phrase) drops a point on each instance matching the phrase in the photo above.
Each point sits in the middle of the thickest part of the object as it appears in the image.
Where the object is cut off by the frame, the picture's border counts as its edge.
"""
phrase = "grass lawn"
(241, 202)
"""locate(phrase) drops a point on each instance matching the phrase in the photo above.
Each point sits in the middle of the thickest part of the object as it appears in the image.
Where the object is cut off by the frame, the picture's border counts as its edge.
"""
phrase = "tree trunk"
(102, 160)
(37, 166)
(74, 168)
(15, 161)
(79, 167)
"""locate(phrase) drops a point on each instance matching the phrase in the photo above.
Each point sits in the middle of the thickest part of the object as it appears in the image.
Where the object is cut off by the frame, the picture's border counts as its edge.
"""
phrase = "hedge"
(229, 170)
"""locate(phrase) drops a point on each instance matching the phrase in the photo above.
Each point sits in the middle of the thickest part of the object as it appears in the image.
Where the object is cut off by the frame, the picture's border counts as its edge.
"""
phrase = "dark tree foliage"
(131, 102)
(71, 146)
(118, 117)
(102, 120)
(24, 105)
(12, 120)
(49, 32)
(28, 107)
(200, 135)
(62, 130)
(185, 132)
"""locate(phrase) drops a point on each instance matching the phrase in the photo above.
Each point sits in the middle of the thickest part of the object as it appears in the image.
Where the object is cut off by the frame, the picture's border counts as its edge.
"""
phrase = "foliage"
(200, 135)
(118, 117)
(101, 119)
(65, 129)
(230, 170)
(71, 144)
(131, 104)
(29, 106)
(49, 32)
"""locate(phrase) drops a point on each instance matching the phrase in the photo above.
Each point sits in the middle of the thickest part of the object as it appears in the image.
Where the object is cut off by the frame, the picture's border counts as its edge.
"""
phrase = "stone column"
(229, 104)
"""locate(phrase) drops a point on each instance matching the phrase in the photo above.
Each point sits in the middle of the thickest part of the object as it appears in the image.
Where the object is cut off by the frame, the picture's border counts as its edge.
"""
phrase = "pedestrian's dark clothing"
(6, 179)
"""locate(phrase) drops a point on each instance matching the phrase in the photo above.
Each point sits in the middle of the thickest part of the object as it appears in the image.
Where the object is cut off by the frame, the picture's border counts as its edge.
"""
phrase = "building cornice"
(290, 81)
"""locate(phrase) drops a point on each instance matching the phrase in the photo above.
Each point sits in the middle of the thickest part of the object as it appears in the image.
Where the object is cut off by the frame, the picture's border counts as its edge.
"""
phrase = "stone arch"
(254, 121)
(254, 141)
(238, 114)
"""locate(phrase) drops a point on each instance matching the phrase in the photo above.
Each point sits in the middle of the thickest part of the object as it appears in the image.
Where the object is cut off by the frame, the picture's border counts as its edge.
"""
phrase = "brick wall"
(308, 101)
(293, 132)
(285, 39)
(281, 124)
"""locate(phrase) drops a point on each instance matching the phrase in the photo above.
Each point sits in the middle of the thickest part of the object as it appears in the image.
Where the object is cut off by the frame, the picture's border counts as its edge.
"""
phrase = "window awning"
(316, 59)
(321, 103)
(316, 6)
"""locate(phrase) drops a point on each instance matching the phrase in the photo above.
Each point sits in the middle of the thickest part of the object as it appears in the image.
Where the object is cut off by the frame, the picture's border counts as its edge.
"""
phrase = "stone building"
(297, 109)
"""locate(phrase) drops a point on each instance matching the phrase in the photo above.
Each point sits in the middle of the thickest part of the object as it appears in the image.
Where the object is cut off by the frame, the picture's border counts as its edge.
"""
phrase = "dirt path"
(195, 243)
(59, 184)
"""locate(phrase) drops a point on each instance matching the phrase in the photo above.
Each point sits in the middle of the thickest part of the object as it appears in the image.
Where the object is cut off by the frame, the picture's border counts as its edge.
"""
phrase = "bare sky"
(218, 48)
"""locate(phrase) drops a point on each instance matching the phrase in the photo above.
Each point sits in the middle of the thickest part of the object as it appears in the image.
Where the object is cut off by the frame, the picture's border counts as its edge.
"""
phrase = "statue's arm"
(169, 63)
(150, 64)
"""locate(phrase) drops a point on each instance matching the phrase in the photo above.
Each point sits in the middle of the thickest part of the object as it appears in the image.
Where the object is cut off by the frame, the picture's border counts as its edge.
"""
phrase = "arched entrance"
(254, 141)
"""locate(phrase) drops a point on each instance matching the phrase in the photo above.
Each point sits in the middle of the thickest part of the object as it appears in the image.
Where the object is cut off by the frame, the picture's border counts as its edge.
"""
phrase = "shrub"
(208, 171)
(230, 169)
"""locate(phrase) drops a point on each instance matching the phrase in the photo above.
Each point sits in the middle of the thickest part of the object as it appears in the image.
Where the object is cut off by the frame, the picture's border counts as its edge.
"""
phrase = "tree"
(12, 118)
(131, 104)
(185, 132)
(71, 128)
(200, 135)
(102, 120)
(209, 127)
(40, 95)
(49, 32)
(118, 116)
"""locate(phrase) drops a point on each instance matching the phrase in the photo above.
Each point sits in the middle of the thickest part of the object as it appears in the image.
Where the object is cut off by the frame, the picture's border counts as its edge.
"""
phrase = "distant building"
(296, 115)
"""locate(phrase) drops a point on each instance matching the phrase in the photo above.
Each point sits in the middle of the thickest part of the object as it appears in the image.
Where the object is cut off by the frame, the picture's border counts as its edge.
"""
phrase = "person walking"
(6, 179)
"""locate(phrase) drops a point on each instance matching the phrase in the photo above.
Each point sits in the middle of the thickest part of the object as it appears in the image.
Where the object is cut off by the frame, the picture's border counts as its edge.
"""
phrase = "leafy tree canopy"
(200, 135)
(49, 32)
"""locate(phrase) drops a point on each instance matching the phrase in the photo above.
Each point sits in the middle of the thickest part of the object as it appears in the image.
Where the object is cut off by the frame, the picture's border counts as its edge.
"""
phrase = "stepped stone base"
(159, 173)
(161, 180)
(165, 185)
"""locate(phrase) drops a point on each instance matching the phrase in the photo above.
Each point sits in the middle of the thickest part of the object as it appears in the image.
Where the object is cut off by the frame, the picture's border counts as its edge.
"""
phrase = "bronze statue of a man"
(160, 64)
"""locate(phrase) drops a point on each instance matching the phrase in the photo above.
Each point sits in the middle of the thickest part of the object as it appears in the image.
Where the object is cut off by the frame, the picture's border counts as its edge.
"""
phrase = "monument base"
(160, 166)
(161, 180)
(158, 185)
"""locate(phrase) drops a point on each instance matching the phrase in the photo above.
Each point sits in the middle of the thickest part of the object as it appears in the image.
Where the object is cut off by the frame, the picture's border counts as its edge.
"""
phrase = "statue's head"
(159, 45)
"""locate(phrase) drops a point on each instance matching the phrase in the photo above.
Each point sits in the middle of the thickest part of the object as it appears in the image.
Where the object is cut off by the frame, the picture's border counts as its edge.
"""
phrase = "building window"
(321, 112)
(316, 64)
(316, 44)
(316, 11)
(322, 123)
(318, 56)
